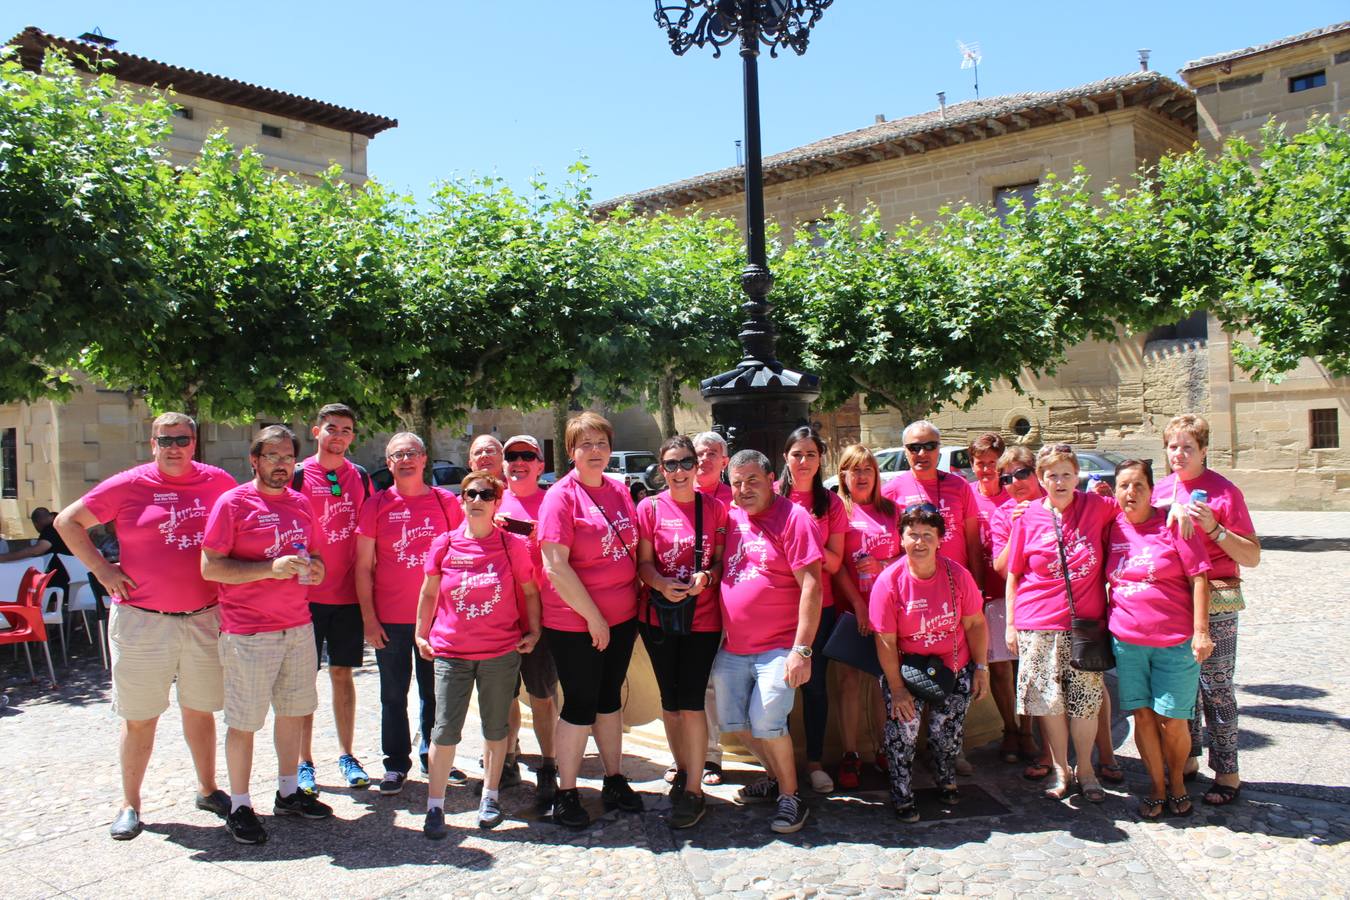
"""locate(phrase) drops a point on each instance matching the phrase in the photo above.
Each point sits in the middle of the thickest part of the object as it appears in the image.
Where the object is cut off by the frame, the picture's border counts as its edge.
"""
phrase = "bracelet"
(1217, 529)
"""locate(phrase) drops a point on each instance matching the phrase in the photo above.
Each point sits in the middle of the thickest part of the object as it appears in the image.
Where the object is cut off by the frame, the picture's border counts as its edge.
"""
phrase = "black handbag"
(1090, 644)
(677, 617)
(925, 674)
(849, 647)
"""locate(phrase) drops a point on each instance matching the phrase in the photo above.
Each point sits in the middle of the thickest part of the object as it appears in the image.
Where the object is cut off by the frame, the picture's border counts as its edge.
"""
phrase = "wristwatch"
(802, 650)
(981, 667)
(1223, 533)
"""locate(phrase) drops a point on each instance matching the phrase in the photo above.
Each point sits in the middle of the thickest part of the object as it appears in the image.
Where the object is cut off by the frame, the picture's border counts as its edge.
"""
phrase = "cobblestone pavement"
(1287, 839)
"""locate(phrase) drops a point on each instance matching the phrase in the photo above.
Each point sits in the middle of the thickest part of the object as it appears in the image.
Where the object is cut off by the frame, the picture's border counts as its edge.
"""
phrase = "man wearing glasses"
(519, 513)
(257, 545)
(949, 493)
(485, 455)
(336, 489)
(165, 618)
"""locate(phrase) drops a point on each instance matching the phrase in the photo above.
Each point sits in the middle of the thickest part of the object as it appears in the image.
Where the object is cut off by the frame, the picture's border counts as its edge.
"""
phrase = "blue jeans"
(752, 692)
(397, 662)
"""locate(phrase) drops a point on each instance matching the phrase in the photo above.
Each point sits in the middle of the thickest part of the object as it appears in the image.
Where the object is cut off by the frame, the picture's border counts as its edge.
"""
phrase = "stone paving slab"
(1290, 837)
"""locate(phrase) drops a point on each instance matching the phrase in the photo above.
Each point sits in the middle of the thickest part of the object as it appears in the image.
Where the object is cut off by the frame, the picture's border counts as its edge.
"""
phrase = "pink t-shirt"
(951, 494)
(1033, 554)
(1230, 510)
(335, 520)
(669, 526)
(160, 521)
(721, 492)
(871, 533)
(248, 525)
(1149, 568)
(985, 507)
(603, 557)
(479, 611)
(835, 521)
(527, 510)
(403, 529)
(760, 595)
(925, 613)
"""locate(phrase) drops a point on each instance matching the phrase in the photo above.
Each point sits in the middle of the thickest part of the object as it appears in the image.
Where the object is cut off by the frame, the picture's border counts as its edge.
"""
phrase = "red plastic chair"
(25, 619)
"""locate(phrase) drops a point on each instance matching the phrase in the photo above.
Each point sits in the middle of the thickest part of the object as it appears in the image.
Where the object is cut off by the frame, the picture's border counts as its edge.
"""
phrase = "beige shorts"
(150, 652)
(275, 668)
(1047, 685)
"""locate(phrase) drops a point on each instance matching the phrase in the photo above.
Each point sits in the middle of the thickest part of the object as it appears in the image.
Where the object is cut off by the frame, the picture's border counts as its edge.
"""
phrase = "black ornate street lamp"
(757, 403)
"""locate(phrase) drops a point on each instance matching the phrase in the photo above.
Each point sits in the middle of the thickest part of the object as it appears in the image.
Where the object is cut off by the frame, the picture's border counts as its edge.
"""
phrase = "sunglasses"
(173, 440)
(671, 465)
(333, 487)
(921, 507)
(921, 446)
(487, 495)
(1021, 474)
(519, 455)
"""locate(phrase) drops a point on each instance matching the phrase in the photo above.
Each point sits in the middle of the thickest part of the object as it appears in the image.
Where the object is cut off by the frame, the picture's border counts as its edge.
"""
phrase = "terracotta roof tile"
(1205, 61)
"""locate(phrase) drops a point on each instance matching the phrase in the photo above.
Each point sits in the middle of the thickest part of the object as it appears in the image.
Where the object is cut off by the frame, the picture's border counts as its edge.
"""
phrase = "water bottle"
(1093, 480)
(864, 578)
(303, 553)
(1199, 496)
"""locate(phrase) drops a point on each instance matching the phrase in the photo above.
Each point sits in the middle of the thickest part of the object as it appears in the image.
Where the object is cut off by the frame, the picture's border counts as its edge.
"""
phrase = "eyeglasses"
(687, 463)
(923, 446)
(521, 455)
(487, 495)
(277, 459)
(333, 487)
(589, 446)
(173, 440)
(1021, 474)
(921, 507)
(400, 455)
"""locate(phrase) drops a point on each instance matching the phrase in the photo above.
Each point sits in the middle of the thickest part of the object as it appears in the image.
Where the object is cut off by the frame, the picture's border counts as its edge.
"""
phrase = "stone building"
(51, 453)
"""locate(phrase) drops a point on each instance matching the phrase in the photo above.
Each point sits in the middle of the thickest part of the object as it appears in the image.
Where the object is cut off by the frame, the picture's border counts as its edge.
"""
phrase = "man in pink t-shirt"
(396, 530)
(770, 611)
(259, 545)
(950, 493)
(336, 489)
(165, 618)
(711, 450)
(485, 455)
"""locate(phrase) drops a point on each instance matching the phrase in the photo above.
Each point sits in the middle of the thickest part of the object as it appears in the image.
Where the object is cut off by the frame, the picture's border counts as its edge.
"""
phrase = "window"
(182, 112)
(1308, 82)
(1323, 429)
(1022, 426)
(817, 240)
(1010, 195)
(9, 463)
(273, 131)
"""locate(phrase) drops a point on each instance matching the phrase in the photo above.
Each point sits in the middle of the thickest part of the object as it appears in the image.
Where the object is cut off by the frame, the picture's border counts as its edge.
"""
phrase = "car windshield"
(639, 462)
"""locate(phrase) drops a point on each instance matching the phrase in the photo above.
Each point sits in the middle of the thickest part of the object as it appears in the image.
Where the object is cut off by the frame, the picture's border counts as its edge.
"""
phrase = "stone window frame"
(1324, 429)
(1020, 173)
(1308, 81)
(9, 463)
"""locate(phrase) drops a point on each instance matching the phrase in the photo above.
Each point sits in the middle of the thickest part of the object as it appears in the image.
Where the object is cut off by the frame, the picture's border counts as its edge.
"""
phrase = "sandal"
(1058, 790)
(1036, 771)
(712, 774)
(948, 795)
(1226, 794)
(1111, 773)
(909, 813)
(1151, 809)
(1027, 749)
(1174, 806)
(1008, 750)
(671, 773)
(1092, 792)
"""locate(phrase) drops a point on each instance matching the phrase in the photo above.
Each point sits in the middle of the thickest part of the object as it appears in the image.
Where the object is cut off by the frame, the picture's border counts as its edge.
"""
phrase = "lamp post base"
(756, 405)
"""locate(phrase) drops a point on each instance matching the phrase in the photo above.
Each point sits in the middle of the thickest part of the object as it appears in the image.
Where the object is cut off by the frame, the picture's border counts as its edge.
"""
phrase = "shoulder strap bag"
(926, 675)
(674, 617)
(1091, 644)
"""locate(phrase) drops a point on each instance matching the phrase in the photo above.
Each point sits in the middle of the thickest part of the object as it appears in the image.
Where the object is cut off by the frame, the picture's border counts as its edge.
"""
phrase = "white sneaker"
(821, 782)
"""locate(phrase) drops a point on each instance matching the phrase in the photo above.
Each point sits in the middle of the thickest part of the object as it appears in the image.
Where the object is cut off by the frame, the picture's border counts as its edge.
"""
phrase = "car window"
(639, 462)
(889, 461)
(960, 459)
(1114, 459)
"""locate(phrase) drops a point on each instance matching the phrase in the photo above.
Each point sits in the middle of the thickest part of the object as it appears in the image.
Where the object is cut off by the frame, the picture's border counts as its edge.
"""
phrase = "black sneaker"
(568, 811)
(546, 791)
(392, 783)
(688, 810)
(456, 778)
(616, 794)
(217, 802)
(791, 814)
(760, 791)
(489, 813)
(907, 813)
(510, 773)
(433, 826)
(244, 826)
(677, 786)
(300, 804)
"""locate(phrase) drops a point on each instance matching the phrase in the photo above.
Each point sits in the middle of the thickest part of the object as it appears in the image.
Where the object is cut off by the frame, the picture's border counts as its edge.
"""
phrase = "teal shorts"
(1165, 679)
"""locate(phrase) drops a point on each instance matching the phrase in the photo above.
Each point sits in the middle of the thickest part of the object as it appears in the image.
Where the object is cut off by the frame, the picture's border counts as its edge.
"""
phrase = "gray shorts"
(495, 679)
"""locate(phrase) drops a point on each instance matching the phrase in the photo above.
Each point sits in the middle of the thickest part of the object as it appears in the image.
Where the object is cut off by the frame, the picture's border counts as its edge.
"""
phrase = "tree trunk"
(560, 410)
(667, 390)
(415, 414)
(190, 408)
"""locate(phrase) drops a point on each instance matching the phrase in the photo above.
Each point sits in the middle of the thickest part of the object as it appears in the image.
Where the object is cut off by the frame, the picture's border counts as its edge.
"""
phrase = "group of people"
(736, 577)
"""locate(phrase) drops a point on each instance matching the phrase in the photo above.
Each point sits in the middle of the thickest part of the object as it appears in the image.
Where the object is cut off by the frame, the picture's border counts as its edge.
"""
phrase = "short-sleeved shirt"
(985, 508)
(1148, 570)
(160, 522)
(760, 594)
(403, 529)
(1230, 510)
(925, 613)
(951, 494)
(246, 524)
(873, 534)
(526, 509)
(335, 521)
(1033, 555)
(721, 492)
(480, 610)
(599, 528)
(669, 527)
(835, 521)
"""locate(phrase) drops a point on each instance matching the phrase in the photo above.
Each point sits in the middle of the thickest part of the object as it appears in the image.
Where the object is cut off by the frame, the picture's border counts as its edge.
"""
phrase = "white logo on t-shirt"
(413, 560)
(471, 581)
(176, 517)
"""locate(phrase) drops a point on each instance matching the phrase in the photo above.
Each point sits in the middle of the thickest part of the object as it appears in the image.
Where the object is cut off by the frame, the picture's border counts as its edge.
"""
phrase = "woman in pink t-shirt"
(588, 535)
(682, 660)
(1066, 700)
(801, 482)
(477, 613)
(1220, 511)
(1160, 632)
(871, 544)
(927, 611)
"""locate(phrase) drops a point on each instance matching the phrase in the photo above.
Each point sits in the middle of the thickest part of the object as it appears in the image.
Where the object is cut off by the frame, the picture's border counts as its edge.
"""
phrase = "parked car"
(892, 461)
(1101, 463)
(443, 474)
(632, 465)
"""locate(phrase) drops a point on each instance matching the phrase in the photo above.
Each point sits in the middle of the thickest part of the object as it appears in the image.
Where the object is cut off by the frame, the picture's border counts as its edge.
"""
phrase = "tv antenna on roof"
(970, 59)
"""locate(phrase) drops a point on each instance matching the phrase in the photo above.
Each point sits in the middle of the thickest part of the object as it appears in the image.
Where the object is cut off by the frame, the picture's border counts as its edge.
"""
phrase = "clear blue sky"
(514, 87)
